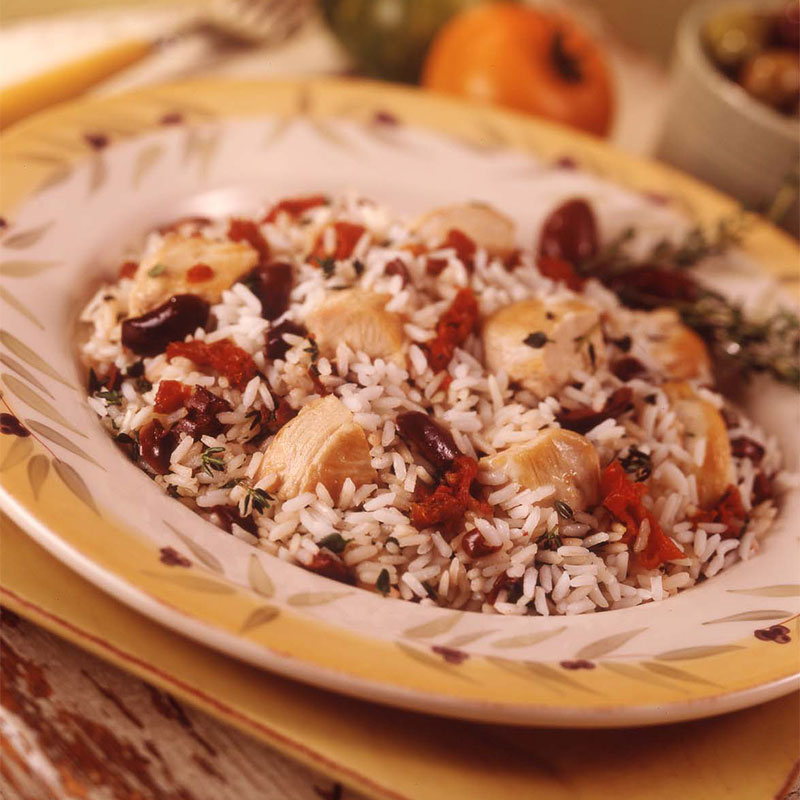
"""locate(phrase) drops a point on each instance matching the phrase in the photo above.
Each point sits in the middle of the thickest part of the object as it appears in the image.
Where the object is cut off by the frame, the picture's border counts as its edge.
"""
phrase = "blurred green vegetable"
(389, 38)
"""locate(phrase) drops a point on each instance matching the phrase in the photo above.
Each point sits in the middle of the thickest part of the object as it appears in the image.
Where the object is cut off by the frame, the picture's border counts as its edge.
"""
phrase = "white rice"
(540, 562)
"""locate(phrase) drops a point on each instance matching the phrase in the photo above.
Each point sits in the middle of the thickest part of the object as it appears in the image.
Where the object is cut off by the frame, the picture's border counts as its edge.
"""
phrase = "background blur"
(642, 73)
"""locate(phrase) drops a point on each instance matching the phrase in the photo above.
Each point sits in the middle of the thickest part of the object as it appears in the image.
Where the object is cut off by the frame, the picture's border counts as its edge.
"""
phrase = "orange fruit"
(524, 58)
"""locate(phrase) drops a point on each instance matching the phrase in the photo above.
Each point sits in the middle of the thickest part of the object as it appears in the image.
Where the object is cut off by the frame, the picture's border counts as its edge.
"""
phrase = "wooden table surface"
(72, 726)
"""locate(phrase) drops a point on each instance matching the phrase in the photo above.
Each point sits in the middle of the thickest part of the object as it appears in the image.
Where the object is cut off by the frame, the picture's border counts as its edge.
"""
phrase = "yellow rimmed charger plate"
(399, 755)
(79, 179)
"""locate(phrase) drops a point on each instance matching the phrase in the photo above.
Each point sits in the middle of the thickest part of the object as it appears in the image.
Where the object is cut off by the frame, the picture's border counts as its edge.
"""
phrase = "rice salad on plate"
(423, 409)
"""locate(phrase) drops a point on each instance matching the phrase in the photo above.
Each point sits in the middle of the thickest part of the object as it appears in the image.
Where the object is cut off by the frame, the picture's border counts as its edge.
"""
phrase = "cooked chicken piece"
(359, 319)
(322, 444)
(678, 349)
(485, 225)
(700, 419)
(168, 271)
(561, 458)
(540, 344)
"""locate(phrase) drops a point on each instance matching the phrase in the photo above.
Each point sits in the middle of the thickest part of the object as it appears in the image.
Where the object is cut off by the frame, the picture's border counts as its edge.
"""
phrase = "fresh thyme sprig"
(211, 461)
(256, 500)
(740, 343)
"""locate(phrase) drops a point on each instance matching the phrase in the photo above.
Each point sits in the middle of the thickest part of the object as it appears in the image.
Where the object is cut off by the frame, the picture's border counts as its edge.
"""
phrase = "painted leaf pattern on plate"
(30, 357)
(59, 439)
(702, 651)
(197, 583)
(755, 615)
(607, 644)
(527, 639)
(637, 674)
(198, 551)
(257, 577)
(20, 449)
(669, 671)
(259, 616)
(779, 590)
(38, 468)
(314, 598)
(75, 483)
(9, 298)
(435, 627)
(31, 399)
(28, 238)
(24, 269)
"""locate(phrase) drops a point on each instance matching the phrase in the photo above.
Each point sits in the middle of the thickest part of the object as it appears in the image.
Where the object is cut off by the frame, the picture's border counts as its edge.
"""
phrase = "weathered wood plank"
(72, 726)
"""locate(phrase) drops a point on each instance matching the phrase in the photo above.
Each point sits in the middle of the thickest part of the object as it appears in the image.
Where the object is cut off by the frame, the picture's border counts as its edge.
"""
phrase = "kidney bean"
(149, 334)
(227, 515)
(156, 446)
(583, 418)
(745, 447)
(627, 367)
(570, 232)
(433, 441)
(276, 346)
(271, 284)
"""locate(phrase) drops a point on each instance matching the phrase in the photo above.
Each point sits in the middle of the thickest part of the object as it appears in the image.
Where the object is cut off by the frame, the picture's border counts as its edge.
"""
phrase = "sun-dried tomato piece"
(111, 381)
(331, 566)
(295, 206)
(245, 230)
(435, 266)
(201, 419)
(452, 330)
(729, 511)
(156, 446)
(501, 582)
(127, 269)
(223, 357)
(583, 418)
(560, 271)
(171, 396)
(346, 237)
(623, 498)
(199, 273)
(464, 246)
(274, 420)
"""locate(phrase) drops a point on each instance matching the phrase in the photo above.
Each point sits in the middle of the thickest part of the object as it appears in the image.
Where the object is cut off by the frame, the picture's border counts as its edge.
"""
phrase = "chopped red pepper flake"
(346, 235)
(623, 498)
(128, 269)
(452, 329)
(560, 271)
(171, 396)
(450, 500)
(729, 511)
(222, 356)
(464, 246)
(331, 566)
(435, 266)
(295, 206)
(199, 273)
(245, 230)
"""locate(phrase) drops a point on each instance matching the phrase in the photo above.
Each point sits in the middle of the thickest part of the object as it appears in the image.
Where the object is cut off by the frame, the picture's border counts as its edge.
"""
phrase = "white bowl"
(716, 131)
